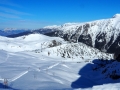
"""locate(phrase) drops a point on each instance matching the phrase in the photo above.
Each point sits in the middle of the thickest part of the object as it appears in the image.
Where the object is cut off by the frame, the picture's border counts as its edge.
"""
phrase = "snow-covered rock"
(102, 34)
(77, 51)
(116, 16)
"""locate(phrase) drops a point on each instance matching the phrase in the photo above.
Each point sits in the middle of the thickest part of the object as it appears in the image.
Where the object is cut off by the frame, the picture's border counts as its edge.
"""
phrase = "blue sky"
(33, 14)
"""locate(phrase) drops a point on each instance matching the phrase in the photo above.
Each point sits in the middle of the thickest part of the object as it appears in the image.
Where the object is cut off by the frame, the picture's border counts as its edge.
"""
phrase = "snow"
(28, 70)
(43, 74)
(52, 27)
(30, 42)
(110, 27)
(116, 16)
(27, 65)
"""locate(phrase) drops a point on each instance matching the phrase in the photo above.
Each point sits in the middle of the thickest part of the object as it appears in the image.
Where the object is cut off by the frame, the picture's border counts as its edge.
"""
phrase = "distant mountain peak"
(10, 29)
(103, 34)
(6, 29)
(116, 16)
(52, 27)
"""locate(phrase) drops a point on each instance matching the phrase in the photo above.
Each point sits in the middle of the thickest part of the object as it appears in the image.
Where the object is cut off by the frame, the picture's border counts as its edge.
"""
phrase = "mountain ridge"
(102, 34)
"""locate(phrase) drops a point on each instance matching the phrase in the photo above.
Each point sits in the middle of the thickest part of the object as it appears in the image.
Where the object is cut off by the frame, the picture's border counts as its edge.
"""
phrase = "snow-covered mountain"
(11, 29)
(40, 43)
(40, 62)
(102, 34)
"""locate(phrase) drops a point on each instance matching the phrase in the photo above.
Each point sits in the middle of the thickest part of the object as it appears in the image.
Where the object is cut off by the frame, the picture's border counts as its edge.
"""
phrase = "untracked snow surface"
(72, 67)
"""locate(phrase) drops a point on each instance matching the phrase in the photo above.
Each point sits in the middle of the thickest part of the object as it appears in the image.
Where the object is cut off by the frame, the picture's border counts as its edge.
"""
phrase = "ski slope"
(28, 70)
(26, 43)
(24, 72)
(32, 69)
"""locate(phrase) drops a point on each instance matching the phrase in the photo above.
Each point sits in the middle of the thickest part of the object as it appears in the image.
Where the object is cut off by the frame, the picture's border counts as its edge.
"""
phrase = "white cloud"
(5, 15)
(28, 24)
(12, 11)
(8, 3)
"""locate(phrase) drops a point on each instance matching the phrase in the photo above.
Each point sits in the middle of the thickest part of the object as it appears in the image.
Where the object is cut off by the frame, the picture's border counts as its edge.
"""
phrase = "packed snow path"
(30, 71)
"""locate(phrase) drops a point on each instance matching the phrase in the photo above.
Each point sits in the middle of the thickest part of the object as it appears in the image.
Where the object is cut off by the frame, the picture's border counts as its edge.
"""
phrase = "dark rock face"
(100, 41)
(115, 47)
(86, 39)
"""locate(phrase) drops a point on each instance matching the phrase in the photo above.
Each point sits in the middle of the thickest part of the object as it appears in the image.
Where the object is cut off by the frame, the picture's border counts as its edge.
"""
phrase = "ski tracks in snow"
(17, 77)
(36, 69)
(65, 66)
(56, 64)
(25, 72)
(50, 67)
(6, 59)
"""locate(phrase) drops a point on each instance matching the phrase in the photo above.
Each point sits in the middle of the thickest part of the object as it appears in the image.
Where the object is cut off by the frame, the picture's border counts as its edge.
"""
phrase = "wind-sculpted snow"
(102, 34)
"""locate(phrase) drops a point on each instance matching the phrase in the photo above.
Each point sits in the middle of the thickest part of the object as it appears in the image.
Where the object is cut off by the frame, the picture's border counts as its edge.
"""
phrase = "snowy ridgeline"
(109, 26)
(93, 27)
(77, 50)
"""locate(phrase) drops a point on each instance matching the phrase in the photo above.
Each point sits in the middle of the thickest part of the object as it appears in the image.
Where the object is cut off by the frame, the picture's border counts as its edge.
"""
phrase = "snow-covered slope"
(76, 51)
(102, 34)
(39, 43)
(30, 42)
(51, 45)
(39, 62)
(38, 71)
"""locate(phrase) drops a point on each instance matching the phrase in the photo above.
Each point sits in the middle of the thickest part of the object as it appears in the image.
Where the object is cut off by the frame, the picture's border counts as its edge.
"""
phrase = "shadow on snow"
(98, 72)
(6, 87)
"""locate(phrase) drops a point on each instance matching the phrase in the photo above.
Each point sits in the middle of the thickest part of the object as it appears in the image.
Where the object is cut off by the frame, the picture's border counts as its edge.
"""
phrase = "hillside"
(37, 61)
(29, 42)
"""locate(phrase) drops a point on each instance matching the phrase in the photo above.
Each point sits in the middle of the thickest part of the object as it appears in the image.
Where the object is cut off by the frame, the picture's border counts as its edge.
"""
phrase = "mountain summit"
(116, 16)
